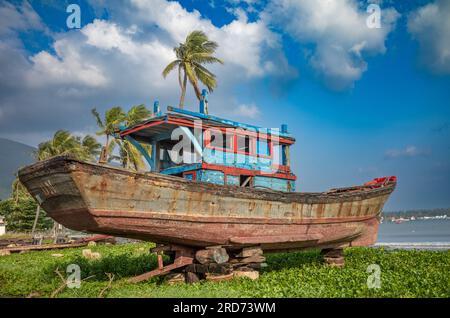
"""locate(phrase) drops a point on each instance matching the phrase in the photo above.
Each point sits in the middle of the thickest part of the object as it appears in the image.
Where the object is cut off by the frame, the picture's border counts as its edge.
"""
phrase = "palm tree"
(191, 55)
(136, 114)
(129, 156)
(91, 145)
(64, 143)
(108, 126)
(18, 190)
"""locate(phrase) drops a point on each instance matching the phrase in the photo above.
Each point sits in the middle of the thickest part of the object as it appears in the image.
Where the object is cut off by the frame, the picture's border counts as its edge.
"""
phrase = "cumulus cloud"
(407, 152)
(20, 17)
(119, 62)
(338, 32)
(247, 110)
(430, 25)
(67, 67)
(242, 43)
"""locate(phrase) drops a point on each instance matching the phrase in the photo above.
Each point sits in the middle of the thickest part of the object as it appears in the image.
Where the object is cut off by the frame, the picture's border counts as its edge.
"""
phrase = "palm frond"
(97, 118)
(137, 114)
(113, 118)
(202, 57)
(91, 145)
(206, 77)
(192, 79)
(170, 67)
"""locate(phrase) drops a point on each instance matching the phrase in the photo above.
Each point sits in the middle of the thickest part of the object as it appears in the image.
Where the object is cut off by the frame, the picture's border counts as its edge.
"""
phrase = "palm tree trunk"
(104, 154)
(38, 210)
(180, 81)
(183, 90)
(197, 91)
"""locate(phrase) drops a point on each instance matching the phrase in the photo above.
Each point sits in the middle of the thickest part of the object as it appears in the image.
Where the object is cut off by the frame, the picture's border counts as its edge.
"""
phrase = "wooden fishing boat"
(237, 192)
(168, 209)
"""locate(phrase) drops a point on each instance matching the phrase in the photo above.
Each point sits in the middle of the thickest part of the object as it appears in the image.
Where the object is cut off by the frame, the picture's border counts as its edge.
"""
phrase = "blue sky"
(362, 102)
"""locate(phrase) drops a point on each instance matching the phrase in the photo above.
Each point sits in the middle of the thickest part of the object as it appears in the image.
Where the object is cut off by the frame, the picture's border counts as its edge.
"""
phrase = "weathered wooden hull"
(166, 209)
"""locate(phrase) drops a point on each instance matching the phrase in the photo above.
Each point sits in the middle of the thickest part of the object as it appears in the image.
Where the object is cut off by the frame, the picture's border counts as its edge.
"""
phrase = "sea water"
(417, 231)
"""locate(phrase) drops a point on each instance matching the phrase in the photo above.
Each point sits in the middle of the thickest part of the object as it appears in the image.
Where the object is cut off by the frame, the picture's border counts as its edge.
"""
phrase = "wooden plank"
(215, 277)
(179, 262)
(18, 249)
(209, 268)
(250, 251)
(253, 259)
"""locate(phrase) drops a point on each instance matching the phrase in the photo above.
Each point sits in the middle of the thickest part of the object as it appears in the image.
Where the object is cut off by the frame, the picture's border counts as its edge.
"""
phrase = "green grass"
(403, 274)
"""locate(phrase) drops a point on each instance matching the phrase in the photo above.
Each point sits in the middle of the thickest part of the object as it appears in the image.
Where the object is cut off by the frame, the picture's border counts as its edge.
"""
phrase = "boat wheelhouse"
(205, 148)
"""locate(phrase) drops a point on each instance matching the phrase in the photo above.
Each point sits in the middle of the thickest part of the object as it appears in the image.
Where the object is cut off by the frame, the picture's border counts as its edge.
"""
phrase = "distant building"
(2, 226)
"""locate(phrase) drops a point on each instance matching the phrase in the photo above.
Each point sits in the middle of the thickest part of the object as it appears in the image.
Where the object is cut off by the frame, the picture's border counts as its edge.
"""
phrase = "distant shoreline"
(431, 246)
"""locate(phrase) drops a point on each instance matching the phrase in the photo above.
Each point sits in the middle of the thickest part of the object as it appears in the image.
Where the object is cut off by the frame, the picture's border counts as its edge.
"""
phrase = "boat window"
(284, 155)
(243, 143)
(279, 157)
(221, 140)
(246, 181)
(263, 147)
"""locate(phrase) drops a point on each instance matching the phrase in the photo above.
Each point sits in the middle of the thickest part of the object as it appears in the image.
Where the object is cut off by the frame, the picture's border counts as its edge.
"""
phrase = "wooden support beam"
(179, 262)
(18, 249)
(160, 261)
(183, 257)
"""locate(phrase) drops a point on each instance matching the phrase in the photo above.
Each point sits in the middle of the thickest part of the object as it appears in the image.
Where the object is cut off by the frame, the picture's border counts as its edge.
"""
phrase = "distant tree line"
(20, 209)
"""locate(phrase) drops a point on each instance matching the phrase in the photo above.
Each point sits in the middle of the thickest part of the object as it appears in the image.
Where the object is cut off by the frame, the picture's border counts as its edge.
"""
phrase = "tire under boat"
(170, 210)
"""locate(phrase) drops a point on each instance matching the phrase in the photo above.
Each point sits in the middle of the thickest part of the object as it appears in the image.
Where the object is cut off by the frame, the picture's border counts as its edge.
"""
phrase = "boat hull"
(166, 209)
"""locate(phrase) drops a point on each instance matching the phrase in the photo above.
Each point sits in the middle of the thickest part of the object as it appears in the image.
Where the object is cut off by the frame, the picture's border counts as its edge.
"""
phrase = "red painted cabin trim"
(239, 171)
(193, 173)
(188, 123)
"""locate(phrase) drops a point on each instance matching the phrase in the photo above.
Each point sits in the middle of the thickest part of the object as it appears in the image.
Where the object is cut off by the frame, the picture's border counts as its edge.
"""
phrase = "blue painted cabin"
(205, 148)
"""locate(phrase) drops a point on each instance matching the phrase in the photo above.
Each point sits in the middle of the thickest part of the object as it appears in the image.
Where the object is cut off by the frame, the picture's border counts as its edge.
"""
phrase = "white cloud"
(102, 55)
(68, 67)
(20, 17)
(430, 25)
(338, 32)
(247, 110)
(409, 151)
(119, 62)
(241, 43)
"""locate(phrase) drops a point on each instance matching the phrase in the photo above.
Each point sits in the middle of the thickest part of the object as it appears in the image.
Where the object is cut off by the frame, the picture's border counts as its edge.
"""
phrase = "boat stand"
(334, 257)
(182, 256)
(212, 263)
